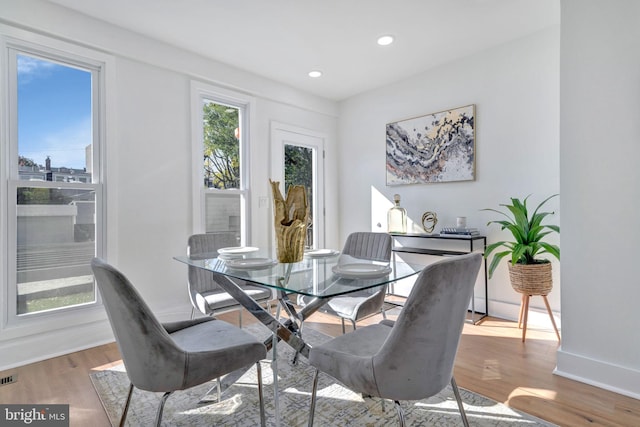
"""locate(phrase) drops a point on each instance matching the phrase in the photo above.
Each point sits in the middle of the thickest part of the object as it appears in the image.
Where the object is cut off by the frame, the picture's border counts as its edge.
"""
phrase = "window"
(220, 128)
(54, 178)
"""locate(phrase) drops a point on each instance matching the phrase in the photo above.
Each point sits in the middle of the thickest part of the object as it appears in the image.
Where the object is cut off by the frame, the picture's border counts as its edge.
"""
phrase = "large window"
(55, 187)
(220, 138)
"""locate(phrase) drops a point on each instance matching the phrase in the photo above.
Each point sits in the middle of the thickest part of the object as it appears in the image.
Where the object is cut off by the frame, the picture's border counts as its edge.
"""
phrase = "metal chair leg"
(353, 323)
(400, 413)
(263, 421)
(312, 408)
(343, 331)
(456, 392)
(126, 406)
(161, 408)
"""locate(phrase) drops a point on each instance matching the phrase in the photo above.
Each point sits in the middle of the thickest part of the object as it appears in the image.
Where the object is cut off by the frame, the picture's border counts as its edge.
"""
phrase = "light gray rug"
(336, 405)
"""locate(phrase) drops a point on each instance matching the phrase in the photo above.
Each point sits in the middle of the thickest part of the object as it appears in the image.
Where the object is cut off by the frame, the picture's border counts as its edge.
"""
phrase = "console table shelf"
(476, 316)
(424, 251)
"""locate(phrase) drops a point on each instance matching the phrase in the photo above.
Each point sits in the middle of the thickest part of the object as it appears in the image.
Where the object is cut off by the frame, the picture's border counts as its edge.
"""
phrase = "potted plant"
(529, 273)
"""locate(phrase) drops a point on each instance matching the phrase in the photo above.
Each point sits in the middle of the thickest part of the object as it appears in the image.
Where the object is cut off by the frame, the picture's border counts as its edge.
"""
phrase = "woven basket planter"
(531, 279)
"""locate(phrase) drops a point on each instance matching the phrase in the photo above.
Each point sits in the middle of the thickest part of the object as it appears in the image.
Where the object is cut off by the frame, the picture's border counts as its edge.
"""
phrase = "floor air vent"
(8, 380)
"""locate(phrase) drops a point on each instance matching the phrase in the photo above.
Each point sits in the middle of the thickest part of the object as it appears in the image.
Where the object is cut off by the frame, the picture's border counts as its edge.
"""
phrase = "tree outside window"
(221, 146)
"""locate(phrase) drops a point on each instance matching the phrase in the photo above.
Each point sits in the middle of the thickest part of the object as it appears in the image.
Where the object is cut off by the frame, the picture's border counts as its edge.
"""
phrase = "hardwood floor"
(491, 361)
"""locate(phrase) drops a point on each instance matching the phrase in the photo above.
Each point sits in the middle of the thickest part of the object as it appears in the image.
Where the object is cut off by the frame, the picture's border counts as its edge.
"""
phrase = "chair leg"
(161, 408)
(400, 413)
(312, 408)
(263, 421)
(525, 314)
(343, 331)
(353, 323)
(553, 322)
(456, 392)
(126, 406)
(240, 318)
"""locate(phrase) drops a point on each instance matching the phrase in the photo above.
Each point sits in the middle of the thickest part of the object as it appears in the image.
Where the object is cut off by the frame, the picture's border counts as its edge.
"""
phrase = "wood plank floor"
(492, 361)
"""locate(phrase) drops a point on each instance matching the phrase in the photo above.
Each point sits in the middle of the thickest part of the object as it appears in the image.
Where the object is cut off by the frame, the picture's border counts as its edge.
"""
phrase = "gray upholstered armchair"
(361, 304)
(205, 294)
(373, 360)
(173, 356)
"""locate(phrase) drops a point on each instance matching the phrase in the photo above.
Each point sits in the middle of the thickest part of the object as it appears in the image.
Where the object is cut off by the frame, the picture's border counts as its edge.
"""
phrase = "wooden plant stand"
(524, 311)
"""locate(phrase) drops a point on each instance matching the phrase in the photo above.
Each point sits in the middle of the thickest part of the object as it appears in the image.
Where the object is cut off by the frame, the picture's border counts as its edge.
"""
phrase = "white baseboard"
(617, 379)
(38, 347)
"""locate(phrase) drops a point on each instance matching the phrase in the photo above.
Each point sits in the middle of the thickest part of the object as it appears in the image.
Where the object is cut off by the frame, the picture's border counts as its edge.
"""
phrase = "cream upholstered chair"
(206, 295)
(374, 360)
(171, 356)
(361, 304)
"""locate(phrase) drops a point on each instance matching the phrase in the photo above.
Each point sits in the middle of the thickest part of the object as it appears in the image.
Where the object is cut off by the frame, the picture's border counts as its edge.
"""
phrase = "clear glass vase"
(397, 217)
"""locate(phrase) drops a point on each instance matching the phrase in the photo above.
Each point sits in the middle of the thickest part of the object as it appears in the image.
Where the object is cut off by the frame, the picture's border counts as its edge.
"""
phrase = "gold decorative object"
(291, 217)
(429, 221)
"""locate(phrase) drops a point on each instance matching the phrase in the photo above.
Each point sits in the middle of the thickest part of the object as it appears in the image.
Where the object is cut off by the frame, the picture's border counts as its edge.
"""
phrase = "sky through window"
(54, 112)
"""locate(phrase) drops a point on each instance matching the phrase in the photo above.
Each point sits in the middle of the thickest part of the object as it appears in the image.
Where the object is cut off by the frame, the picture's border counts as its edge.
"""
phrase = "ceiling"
(285, 39)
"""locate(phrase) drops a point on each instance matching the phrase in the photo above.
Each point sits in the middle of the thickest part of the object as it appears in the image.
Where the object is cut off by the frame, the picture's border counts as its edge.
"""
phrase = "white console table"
(437, 245)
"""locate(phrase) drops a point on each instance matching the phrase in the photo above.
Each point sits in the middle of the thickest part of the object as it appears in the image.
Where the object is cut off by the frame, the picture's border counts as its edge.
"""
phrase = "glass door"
(298, 156)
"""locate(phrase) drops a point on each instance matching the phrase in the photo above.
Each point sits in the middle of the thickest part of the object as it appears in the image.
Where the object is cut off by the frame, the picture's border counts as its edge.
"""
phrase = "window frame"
(200, 93)
(12, 43)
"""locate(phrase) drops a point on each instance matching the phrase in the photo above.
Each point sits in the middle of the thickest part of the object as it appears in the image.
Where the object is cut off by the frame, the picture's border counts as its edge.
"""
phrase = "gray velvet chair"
(411, 358)
(361, 304)
(206, 295)
(171, 356)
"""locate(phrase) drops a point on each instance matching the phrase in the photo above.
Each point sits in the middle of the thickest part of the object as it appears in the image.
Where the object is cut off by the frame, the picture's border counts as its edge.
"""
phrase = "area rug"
(336, 405)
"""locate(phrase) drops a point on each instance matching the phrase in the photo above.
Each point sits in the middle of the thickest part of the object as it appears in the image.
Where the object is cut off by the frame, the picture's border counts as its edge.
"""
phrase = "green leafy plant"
(528, 233)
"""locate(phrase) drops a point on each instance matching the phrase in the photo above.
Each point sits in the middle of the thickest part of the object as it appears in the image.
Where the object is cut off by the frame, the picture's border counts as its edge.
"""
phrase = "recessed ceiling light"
(385, 40)
(315, 74)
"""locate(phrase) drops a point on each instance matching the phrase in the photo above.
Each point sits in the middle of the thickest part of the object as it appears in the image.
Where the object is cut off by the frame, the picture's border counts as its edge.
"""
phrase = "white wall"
(515, 88)
(149, 170)
(599, 152)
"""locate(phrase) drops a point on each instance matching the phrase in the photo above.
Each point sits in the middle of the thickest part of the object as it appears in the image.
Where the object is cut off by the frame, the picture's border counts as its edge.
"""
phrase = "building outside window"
(55, 183)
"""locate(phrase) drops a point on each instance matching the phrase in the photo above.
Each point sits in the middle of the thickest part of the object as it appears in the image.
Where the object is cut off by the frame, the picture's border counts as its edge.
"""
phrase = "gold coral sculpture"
(291, 217)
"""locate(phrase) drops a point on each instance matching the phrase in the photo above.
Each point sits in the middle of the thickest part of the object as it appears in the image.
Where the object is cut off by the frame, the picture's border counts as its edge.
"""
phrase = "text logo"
(34, 415)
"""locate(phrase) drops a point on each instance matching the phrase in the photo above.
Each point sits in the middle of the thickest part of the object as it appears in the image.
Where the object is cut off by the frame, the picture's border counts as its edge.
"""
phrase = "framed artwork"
(438, 147)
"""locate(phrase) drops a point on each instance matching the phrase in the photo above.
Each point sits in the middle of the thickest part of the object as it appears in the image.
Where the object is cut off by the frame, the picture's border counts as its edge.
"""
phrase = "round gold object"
(429, 221)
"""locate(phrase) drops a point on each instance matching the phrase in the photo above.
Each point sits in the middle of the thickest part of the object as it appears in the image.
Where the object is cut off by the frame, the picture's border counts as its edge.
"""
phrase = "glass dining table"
(321, 275)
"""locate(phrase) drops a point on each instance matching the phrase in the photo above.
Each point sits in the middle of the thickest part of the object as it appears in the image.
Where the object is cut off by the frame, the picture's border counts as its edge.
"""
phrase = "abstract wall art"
(438, 147)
